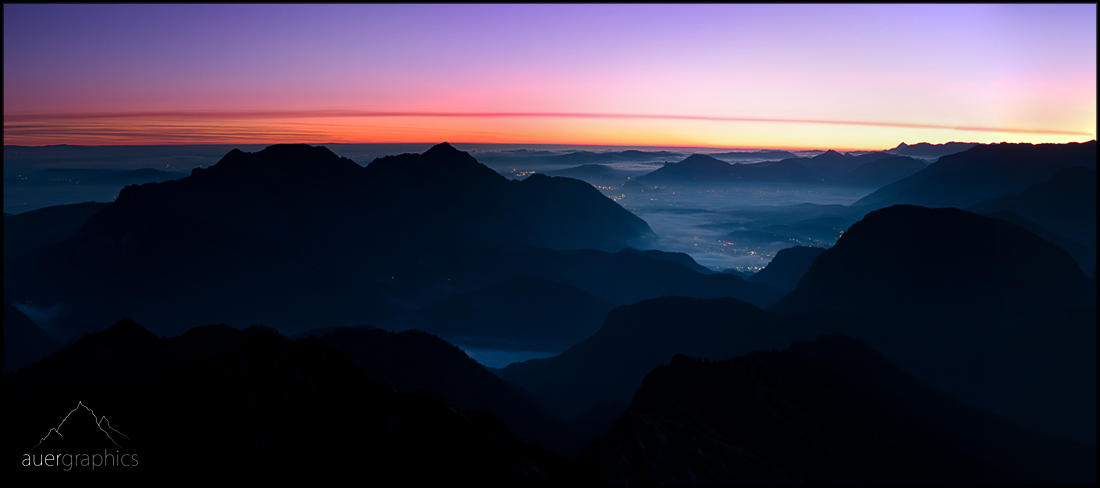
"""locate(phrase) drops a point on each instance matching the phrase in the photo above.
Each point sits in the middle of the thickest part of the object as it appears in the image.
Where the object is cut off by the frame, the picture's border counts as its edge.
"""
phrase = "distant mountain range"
(830, 167)
(931, 151)
(770, 154)
(88, 176)
(982, 172)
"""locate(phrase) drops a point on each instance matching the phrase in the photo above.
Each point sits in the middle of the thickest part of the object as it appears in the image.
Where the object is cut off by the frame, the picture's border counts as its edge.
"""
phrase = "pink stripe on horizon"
(276, 114)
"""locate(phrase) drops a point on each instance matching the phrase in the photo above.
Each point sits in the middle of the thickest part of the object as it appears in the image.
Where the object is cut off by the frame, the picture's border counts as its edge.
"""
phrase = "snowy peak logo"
(81, 439)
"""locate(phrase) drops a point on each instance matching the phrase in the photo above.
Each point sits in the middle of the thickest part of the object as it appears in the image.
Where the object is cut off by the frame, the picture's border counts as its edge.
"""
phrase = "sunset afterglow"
(787, 76)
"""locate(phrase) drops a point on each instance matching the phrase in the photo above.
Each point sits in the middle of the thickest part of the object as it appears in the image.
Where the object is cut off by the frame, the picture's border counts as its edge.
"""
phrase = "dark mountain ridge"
(966, 316)
(982, 172)
(931, 151)
(788, 267)
(266, 224)
(257, 406)
(828, 411)
(1066, 204)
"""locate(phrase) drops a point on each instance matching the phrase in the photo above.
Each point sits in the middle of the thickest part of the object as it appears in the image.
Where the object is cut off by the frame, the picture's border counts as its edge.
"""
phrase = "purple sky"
(841, 76)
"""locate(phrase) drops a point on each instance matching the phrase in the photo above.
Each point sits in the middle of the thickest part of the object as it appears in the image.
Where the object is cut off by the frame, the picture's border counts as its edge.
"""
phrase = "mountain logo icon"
(82, 427)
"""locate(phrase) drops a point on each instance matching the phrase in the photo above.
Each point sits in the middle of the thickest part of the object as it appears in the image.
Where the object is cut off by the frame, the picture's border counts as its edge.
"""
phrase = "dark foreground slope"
(634, 339)
(979, 307)
(417, 361)
(828, 411)
(223, 404)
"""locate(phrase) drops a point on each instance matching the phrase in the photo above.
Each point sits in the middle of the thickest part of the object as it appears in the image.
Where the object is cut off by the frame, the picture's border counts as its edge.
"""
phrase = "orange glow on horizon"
(359, 127)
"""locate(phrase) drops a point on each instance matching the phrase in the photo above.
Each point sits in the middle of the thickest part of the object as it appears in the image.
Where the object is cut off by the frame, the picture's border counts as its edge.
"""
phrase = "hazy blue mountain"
(787, 267)
(45, 227)
(769, 154)
(578, 158)
(931, 151)
(585, 171)
(704, 169)
(678, 257)
(414, 360)
(517, 313)
(982, 172)
(828, 411)
(621, 278)
(1065, 204)
(24, 342)
(96, 176)
(634, 339)
(882, 171)
(835, 161)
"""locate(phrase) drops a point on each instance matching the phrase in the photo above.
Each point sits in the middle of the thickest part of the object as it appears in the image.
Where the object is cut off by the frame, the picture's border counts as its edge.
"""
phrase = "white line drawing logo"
(99, 421)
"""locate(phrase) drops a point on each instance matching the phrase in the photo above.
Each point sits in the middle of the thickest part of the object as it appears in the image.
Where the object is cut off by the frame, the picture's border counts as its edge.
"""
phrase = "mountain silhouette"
(1084, 256)
(1065, 204)
(634, 339)
(828, 411)
(24, 342)
(297, 224)
(45, 227)
(679, 257)
(931, 151)
(704, 169)
(979, 307)
(585, 171)
(835, 161)
(267, 409)
(518, 313)
(787, 267)
(770, 154)
(982, 172)
(414, 360)
(882, 171)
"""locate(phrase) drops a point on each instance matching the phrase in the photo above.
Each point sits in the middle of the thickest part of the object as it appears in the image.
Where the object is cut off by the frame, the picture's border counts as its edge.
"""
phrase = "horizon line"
(275, 114)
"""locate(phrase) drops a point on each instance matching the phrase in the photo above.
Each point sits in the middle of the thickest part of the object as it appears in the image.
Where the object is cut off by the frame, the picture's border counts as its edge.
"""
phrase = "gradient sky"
(779, 76)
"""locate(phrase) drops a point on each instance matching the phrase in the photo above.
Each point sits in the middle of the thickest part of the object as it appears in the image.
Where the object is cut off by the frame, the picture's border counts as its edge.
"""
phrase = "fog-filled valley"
(559, 314)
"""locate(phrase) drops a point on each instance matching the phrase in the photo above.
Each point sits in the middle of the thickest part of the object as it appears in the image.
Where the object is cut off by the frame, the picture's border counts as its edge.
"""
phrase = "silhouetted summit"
(441, 164)
(296, 224)
(893, 263)
(979, 307)
(931, 151)
(279, 165)
(704, 169)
